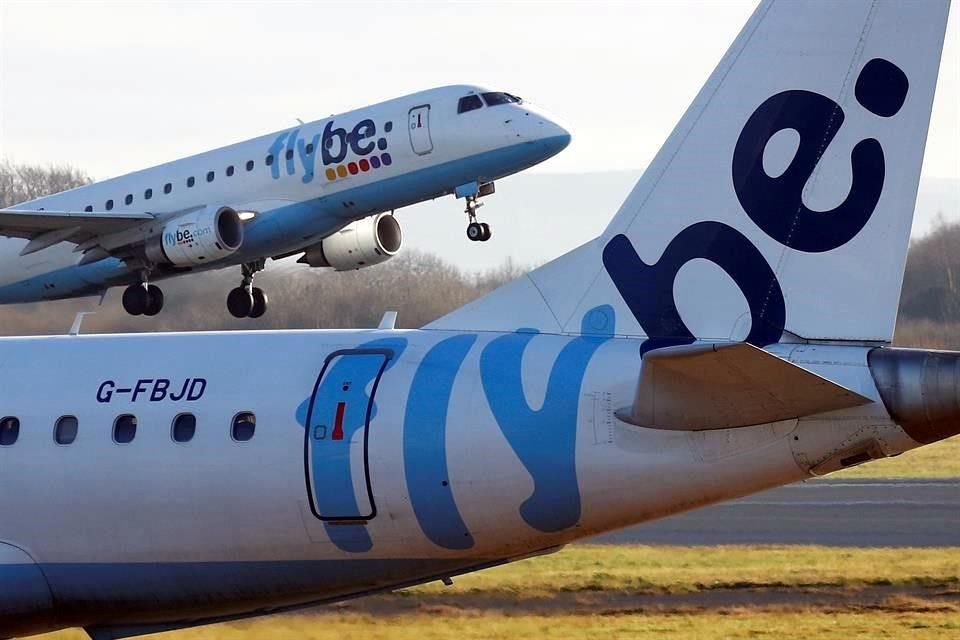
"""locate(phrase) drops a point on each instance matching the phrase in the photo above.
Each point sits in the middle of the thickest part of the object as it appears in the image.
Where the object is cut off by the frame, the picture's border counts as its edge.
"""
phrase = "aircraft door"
(338, 432)
(420, 130)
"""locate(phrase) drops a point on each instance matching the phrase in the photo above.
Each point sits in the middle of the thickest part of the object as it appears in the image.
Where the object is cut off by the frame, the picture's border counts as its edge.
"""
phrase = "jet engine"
(198, 237)
(360, 244)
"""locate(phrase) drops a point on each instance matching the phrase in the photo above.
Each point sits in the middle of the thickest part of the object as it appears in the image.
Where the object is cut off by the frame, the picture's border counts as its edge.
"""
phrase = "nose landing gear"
(248, 301)
(472, 192)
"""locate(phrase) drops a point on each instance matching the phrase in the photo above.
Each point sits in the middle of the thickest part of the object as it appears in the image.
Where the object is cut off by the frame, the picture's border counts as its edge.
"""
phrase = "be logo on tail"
(775, 204)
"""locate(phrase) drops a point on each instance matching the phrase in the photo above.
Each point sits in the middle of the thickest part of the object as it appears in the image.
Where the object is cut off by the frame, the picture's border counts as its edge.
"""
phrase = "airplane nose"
(550, 135)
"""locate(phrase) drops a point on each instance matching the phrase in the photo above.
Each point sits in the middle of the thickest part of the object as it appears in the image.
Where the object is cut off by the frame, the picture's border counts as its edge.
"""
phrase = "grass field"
(938, 460)
(651, 592)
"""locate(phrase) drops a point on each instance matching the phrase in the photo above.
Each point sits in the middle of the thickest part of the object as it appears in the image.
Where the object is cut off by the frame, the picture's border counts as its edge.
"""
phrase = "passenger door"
(338, 433)
(420, 130)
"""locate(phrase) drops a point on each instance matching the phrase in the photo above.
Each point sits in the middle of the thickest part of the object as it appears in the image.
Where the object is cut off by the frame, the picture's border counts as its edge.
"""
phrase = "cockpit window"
(469, 103)
(494, 98)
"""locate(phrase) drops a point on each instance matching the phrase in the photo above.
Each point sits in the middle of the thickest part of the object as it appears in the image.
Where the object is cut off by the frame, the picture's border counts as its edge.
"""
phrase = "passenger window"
(128, 199)
(229, 171)
(66, 429)
(309, 148)
(184, 427)
(167, 188)
(109, 205)
(469, 103)
(269, 160)
(9, 431)
(289, 154)
(88, 208)
(210, 176)
(191, 181)
(148, 194)
(249, 165)
(388, 127)
(244, 426)
(125, 429)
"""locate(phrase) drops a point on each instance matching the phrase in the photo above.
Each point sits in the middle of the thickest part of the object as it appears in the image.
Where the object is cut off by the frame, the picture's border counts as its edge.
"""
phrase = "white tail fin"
(782, 201)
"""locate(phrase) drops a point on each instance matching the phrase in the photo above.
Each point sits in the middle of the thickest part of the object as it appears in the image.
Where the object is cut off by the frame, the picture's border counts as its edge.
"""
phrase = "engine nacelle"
(360, 244)
(199, 237)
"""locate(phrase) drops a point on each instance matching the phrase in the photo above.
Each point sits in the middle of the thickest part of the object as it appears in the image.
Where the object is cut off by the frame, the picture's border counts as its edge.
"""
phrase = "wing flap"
(724, 385)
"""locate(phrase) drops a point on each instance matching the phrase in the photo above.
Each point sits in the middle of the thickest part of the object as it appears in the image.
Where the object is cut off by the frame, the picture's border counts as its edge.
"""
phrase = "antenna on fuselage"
(300, 121)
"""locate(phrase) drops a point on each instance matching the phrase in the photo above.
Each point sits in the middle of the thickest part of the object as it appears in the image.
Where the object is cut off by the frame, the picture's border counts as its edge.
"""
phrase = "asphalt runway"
(853, 513)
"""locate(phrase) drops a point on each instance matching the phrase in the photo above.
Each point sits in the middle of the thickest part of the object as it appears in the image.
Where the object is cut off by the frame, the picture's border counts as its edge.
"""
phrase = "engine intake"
(360, 244)
(199, 237)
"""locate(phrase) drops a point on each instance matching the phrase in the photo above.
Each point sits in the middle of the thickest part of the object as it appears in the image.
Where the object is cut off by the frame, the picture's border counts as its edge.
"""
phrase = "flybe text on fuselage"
(335, 144)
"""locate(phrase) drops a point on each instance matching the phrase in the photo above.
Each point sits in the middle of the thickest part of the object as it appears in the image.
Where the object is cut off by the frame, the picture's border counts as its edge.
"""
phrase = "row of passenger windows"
(231, 170)
(182, 429)
(492, 98)
(192, 181)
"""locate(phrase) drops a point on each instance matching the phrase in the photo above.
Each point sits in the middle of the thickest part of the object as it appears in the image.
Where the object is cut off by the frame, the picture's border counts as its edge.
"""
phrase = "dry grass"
(592, 592)
(727, 625)
(614, 568)
(938, 460)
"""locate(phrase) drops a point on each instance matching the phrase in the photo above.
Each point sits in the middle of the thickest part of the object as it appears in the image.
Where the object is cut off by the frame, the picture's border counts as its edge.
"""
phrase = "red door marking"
(338, 425)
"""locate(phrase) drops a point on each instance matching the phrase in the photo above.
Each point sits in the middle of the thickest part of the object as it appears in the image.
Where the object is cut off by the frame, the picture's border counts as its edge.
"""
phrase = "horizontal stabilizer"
(724, 385)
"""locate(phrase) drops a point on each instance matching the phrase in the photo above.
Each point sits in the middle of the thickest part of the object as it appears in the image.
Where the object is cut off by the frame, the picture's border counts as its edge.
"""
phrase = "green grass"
(938, 460)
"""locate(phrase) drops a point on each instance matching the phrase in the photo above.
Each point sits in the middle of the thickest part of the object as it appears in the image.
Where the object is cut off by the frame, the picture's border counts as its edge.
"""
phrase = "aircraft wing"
(724, 385)
(46, 228)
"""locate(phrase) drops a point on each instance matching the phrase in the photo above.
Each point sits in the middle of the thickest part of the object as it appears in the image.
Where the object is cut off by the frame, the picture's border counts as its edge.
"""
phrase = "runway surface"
(855, 513)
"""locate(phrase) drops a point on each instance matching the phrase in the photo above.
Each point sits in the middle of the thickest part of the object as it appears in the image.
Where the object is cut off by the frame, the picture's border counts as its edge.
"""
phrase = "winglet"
(724, 385)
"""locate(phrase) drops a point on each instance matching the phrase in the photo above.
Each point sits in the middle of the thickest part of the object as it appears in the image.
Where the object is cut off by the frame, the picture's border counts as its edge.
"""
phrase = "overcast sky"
(114, 87)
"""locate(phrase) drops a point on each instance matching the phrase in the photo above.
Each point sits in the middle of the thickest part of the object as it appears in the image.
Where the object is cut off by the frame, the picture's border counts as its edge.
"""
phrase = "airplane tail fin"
(781, 203)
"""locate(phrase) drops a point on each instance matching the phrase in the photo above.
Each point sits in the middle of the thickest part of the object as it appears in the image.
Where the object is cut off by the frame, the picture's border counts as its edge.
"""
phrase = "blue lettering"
(545, 440)
(308, 159)
(105, 392)
(139, 388)
(365, 129)
(197, 387)
(183, 391)
(331, 136)
(425, 444)
(159, 390)
(648, 288)
(275, 150)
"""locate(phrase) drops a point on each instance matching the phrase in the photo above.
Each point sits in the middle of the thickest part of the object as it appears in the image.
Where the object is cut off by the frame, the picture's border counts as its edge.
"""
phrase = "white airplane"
(728, 332)
(327, 188)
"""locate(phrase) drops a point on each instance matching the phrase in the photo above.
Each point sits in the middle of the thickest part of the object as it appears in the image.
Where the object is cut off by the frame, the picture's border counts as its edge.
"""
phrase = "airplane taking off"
(712, 342)
(326, 188)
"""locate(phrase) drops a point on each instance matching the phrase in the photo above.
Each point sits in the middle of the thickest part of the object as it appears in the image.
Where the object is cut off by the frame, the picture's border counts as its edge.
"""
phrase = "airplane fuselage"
(336, 493)
(302, 183)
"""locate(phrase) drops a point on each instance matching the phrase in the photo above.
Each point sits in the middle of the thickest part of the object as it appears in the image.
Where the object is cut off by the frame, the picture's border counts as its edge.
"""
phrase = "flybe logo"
(184, 236)
(773, 203)
(343, 152)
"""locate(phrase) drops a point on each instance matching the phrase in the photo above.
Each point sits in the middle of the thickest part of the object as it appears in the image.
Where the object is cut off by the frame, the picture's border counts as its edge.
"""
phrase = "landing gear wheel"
(135, 299)
(475, 232)
(259, 303)
(486, 231)
(240, 302)
(154, 301)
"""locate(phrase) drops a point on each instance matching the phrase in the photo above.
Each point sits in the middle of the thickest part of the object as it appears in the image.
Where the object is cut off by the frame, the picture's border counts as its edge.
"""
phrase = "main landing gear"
(143, 299)
(248, 301)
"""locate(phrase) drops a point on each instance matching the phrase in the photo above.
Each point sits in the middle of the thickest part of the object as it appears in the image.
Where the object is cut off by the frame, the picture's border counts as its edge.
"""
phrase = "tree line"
(419, 286)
